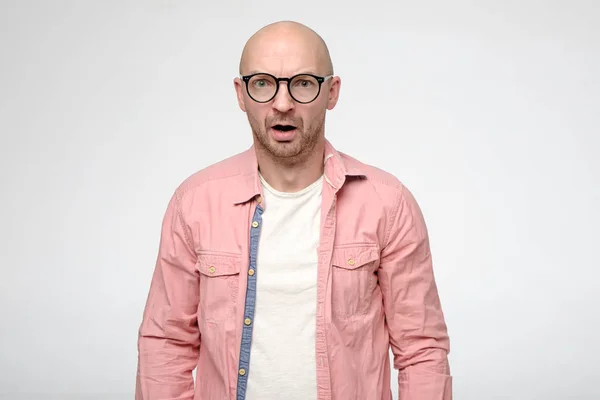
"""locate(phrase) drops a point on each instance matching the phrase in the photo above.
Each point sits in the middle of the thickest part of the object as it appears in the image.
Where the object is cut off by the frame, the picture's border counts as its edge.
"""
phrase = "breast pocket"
(219, 284)
(353, 279)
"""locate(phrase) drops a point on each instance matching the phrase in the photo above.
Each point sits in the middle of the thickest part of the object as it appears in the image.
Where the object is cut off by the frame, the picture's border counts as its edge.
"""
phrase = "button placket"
(246, 339)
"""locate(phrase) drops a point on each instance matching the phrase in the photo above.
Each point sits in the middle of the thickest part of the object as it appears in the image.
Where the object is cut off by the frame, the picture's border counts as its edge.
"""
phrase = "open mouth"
(284, 128)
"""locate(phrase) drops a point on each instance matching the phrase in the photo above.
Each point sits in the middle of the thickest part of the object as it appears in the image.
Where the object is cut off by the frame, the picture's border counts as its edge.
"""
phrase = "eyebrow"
(311, 72)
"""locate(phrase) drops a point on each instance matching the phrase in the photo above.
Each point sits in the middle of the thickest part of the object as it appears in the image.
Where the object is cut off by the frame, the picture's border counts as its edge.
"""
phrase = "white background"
(488, 111)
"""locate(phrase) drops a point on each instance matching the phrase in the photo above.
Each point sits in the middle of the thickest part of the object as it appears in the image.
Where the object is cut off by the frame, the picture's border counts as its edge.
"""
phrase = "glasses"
(304, 88)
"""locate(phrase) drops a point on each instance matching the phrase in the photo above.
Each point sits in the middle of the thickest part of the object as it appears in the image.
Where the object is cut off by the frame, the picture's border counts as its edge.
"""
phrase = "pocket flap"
(354, 256)
(218, 264)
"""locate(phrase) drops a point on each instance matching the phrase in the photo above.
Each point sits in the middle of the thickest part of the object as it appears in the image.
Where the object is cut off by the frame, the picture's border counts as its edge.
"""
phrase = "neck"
(294, 176)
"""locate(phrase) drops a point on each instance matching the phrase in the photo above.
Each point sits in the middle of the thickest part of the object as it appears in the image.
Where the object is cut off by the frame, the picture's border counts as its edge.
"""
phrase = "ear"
(334, 92)
(238, 84)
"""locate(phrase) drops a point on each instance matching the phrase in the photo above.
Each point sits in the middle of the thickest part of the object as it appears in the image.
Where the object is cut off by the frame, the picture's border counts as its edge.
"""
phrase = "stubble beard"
(291, 153)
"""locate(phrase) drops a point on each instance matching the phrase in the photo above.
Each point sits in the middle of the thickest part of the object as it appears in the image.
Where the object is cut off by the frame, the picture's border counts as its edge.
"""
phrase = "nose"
(283, 102)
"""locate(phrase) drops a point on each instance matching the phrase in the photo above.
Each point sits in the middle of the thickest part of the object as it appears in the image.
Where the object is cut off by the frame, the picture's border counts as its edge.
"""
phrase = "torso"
(283, 342)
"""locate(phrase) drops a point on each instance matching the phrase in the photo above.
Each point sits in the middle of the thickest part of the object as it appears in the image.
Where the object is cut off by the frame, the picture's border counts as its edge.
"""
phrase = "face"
(285, 129)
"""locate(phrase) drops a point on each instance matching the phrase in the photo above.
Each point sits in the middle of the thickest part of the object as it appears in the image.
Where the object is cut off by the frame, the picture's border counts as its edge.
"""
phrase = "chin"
(284, 149)
(281, 149)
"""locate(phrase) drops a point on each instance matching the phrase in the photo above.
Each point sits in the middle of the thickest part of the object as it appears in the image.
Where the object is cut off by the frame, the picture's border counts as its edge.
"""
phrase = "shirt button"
(250, 272)
(212, 270)
(242, 371)
(351, 261)
(247, 321)
(254, 224)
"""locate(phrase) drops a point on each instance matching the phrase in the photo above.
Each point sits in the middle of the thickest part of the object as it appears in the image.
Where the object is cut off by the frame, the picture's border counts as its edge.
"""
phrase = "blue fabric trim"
(244, 363)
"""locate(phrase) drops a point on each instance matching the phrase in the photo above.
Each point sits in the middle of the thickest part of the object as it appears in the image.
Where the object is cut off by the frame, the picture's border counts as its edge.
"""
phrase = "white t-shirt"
(282, 356)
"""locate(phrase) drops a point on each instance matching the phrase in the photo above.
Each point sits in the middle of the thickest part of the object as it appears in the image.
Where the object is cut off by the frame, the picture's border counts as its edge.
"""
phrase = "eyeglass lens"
(303, 88)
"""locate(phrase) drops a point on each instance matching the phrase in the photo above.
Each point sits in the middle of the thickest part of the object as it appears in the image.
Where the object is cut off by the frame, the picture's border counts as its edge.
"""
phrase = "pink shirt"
(375, 287)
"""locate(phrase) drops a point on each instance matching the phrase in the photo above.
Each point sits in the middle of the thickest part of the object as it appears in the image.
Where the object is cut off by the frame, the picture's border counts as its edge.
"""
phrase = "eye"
(304, 83)
(260, 83)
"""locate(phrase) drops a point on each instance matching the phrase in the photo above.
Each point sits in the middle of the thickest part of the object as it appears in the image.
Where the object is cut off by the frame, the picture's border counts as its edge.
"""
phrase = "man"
(289, 270)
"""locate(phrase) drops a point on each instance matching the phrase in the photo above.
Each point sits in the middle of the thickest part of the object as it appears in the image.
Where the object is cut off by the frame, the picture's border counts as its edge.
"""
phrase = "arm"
(414, 318)
(169, 339)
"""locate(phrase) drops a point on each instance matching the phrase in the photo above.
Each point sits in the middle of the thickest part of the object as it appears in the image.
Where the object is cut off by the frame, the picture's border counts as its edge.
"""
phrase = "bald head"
(286, 41)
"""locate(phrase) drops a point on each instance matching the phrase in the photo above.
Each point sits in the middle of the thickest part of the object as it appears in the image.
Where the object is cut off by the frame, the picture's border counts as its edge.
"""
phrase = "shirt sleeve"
(169, 338)
(414, 317)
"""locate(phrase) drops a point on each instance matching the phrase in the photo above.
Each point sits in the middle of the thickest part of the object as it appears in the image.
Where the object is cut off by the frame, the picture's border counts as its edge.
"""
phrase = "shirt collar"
(337, 170)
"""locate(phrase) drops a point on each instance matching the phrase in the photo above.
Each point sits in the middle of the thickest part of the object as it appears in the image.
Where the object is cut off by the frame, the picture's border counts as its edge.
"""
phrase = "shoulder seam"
(393, 215)
(187, 186)
(188, 240)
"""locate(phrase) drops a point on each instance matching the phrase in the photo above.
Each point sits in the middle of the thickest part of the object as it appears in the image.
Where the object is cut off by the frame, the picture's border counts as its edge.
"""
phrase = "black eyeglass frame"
(319, 79)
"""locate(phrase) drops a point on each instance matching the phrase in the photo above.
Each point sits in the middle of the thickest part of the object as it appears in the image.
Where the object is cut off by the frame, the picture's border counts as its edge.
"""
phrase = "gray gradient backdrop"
(488, 111)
